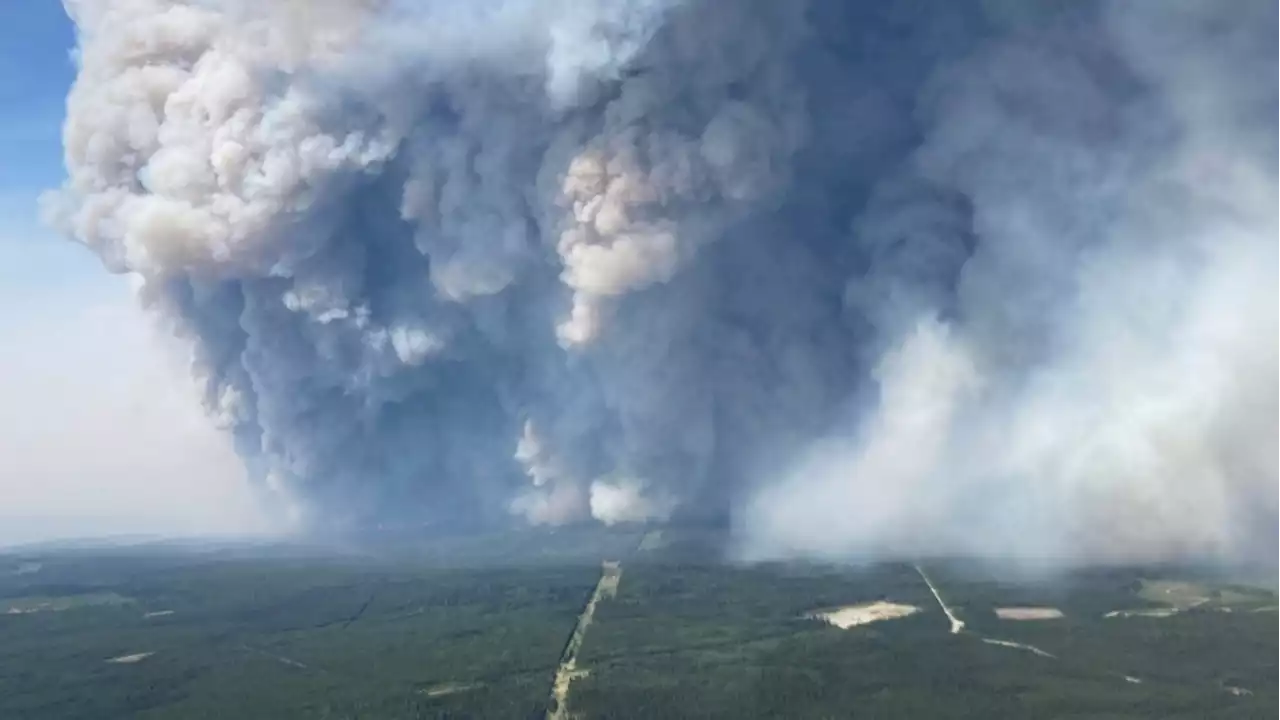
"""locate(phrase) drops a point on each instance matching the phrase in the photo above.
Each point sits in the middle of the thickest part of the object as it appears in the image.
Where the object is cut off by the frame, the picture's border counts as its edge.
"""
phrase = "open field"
(855, 615)
(673, 633)
(1028, 613)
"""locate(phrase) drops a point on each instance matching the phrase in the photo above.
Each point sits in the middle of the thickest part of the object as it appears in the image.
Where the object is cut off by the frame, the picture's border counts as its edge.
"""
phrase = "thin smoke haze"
(995, 278)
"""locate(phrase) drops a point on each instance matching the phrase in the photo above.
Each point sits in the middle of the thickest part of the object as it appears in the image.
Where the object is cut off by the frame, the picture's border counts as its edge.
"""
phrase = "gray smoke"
(990, 277)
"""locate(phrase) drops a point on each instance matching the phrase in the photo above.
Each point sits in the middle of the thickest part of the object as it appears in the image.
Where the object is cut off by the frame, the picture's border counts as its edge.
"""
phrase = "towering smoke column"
(995, 276)
(1102, 380)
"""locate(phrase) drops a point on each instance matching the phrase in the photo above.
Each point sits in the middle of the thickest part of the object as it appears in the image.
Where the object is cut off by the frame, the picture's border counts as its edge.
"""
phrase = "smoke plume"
(870, 278)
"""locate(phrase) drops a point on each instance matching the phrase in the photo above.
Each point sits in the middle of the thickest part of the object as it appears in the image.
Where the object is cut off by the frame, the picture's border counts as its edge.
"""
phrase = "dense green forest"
(285, 638)
(716, 642)
(447, 630)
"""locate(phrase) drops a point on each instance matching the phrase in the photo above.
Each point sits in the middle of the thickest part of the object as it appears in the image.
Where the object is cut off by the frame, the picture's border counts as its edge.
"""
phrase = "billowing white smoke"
(215, 148)
(873, 493)
(452, 261)
(1108, 387)
(554, 499)
(619, 500)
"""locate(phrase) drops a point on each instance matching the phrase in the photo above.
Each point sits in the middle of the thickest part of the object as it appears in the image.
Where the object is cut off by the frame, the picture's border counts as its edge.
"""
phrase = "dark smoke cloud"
(996, 277)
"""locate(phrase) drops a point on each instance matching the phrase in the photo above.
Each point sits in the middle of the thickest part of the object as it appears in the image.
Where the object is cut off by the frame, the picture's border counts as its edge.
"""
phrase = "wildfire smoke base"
(991, 277)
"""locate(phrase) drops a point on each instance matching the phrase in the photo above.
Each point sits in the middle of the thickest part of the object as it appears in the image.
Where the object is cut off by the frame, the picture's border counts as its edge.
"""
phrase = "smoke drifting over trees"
(991, 277)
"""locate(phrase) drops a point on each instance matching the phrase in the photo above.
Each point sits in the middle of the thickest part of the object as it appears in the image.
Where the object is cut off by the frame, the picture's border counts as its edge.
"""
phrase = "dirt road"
(956, 623)
(610, 575)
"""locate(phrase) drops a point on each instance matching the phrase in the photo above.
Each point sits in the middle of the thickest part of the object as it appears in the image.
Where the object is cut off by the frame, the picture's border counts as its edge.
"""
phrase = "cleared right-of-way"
(956, 623)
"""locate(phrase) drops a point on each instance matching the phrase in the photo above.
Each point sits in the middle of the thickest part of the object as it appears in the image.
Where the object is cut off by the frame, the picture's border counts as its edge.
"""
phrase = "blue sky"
(100, 430)
(35, 72)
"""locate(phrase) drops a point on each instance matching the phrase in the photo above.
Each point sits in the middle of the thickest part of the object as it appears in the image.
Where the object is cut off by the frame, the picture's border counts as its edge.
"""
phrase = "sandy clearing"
(1019, 646)
(1237, 691)
(130, 659)
(1143, 612)
(157, 613)
(854, 615)
(1028, 613)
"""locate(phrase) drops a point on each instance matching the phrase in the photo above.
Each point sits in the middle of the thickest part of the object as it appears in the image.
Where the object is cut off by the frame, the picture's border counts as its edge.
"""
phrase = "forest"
(446, 629)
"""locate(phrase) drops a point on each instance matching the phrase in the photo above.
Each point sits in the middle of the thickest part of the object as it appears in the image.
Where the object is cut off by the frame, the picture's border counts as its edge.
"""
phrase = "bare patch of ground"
(130, 659)
(854, 615)
(1028, 613)
(1143, 612)
(1019, 646)
(450, 688)
(1237, 691)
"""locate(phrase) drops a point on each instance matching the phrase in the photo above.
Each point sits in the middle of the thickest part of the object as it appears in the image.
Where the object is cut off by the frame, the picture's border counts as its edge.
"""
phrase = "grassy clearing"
(1183, 595)
(1174, 593)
